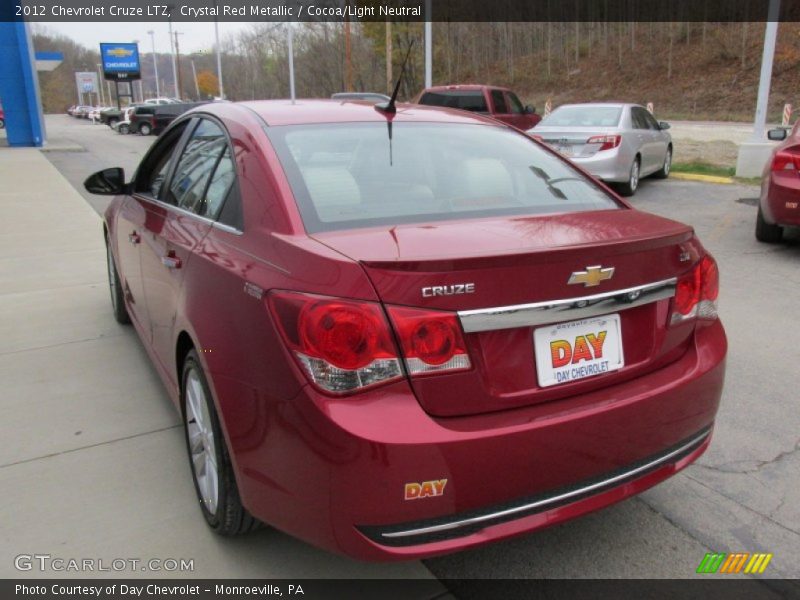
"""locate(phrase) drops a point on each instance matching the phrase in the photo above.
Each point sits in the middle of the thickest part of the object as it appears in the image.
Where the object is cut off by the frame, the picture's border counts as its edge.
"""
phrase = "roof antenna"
(389, 107)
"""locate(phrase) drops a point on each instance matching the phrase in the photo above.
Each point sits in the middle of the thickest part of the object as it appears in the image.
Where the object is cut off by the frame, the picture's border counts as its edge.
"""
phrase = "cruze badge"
(448, 290)
(592, 276)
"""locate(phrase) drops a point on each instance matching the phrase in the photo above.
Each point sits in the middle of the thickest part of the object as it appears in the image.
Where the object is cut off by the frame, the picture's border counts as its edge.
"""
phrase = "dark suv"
(143, 119)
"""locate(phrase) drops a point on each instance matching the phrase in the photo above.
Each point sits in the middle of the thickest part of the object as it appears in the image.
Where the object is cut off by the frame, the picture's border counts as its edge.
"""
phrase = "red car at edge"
(395, 335)
(779, 205)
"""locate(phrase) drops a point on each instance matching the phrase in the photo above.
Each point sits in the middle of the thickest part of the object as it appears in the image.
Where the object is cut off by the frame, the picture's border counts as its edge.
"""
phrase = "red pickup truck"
(497, 102)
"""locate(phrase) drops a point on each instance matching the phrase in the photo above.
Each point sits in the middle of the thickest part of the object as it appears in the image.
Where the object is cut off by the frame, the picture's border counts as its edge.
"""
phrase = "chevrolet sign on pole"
(120, 61)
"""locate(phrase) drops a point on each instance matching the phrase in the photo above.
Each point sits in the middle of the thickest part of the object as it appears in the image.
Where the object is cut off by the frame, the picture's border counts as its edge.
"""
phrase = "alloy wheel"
(202, 444)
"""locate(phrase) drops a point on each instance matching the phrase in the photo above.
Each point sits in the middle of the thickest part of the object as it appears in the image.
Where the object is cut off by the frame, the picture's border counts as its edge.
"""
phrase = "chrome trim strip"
(540, 313)
(551, 500)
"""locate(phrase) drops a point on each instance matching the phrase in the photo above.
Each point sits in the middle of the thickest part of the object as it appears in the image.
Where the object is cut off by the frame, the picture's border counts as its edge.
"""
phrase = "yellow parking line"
(703, 178)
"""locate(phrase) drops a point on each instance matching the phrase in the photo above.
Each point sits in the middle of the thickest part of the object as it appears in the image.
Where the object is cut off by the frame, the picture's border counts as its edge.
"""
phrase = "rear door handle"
(134, 238)
(171, 262)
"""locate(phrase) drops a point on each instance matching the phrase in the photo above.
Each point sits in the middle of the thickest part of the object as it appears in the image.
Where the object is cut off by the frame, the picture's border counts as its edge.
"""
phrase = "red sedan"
(399, 335)
(779, 205)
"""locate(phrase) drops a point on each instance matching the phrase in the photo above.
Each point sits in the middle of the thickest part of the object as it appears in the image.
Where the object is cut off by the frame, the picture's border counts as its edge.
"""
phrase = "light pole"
(428, 45)
(100, 86)
(131, 83)
(291, 62)
(172, 52)
(219, 56)
(152, 35)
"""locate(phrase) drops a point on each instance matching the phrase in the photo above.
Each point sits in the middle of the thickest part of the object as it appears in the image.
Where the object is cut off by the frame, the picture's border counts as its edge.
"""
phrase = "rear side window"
(499, 101)
(465, 100)
(203, 151)
(349, 175)
(639, 118)
(515, 104)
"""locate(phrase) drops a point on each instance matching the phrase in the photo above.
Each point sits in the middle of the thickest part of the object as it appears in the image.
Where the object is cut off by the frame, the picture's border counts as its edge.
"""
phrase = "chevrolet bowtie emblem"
(592, 276)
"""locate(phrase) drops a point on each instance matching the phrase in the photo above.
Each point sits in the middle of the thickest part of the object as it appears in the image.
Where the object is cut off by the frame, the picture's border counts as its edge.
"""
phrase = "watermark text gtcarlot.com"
(48, 563)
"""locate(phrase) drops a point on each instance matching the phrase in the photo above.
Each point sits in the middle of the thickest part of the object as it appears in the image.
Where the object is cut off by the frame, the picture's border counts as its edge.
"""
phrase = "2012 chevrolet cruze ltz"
(398, 334)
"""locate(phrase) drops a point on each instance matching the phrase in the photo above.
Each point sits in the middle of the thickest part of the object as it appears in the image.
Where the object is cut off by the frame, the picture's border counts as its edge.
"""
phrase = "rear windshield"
(473, 101)
(350, 175)
(583, 116)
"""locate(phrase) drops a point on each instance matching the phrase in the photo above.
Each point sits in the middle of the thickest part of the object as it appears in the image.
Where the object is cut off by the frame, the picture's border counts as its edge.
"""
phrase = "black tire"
(117, 294)
(124, 129)
(2, 124)
(629, 187)
(663, 173)
(765, 232)
(228, 517)
(112, 121)
(145, 129)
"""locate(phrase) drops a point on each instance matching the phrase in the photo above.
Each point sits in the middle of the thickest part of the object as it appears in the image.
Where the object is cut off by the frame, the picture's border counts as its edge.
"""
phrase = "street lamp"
(219, 56)
(152, 35)
(130, 83)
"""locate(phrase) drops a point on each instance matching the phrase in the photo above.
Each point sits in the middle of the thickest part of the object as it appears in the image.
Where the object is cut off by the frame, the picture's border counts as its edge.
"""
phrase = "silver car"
(618, 143)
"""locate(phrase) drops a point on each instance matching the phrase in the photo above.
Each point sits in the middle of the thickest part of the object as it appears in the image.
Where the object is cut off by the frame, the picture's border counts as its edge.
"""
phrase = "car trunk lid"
(574, 142)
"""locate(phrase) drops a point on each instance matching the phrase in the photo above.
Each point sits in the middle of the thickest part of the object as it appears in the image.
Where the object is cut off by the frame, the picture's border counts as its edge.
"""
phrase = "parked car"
(500, 103)
(779, 205)
(81, 112)
(160, 101)
(373, 97)
(395, 342)
(71, 110)
(142, 119)
(166, 114)
(123, 125)
(618, 143)
(112, 115)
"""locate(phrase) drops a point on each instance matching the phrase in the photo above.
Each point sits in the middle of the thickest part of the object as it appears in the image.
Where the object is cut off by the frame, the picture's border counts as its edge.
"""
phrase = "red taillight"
(607, 142)
(431, 341)
(342, 345)
(697, 291)
(346, 345)
(787, 160)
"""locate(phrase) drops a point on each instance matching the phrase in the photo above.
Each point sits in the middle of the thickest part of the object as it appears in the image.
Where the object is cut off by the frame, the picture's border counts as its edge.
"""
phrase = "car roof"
(300, 112)
(465, 87)
(611, 104)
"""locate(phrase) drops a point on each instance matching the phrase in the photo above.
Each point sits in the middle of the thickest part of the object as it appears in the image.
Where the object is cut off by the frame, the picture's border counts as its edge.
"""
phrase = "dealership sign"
(86, 82)
(120, 61)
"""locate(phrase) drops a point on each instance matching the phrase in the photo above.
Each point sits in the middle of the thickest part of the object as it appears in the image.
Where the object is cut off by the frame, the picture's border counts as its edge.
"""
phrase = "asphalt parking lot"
(68, 465)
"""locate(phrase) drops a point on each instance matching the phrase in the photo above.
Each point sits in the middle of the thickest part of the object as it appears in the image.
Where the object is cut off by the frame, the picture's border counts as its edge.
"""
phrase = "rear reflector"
(432, 341)
(607, 142)
(697, 292)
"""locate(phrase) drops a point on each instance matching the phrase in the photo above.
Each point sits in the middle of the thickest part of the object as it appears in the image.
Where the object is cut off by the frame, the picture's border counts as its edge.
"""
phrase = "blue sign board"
(120, 61)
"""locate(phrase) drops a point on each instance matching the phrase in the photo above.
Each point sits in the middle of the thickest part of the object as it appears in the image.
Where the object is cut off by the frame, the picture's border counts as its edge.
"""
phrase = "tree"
(207, 83)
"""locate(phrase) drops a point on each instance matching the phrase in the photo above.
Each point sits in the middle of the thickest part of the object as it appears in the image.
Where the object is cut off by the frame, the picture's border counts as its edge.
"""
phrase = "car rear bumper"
(334, 471)
(781, 202)
(609, 165)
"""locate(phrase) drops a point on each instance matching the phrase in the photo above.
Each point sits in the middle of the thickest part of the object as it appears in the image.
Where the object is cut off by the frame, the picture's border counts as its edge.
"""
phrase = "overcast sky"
(196, 36)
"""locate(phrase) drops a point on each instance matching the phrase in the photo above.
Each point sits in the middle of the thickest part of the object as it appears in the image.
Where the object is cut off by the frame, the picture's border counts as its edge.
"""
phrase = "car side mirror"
(776, 135)
(663, 125)
(529, 110)
(108, 182)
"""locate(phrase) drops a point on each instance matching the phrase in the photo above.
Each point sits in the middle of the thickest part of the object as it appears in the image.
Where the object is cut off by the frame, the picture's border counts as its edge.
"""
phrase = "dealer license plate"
(576, 350)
